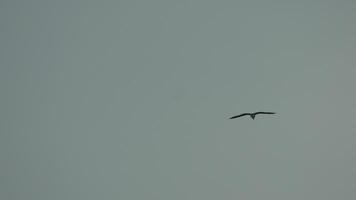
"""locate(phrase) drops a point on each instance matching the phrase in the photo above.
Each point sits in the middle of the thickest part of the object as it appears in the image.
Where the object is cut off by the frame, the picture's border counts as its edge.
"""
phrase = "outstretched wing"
(243, 114)
(265, 113)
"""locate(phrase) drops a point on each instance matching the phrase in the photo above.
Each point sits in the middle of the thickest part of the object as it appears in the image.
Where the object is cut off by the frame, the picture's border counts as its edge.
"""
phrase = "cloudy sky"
(130, 100)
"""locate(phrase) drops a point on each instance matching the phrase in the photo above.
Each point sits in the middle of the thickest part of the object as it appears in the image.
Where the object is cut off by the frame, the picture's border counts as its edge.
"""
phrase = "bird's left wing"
(238, 116)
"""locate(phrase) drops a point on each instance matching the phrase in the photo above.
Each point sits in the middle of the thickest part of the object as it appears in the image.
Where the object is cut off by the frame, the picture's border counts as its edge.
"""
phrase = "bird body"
(252, 115)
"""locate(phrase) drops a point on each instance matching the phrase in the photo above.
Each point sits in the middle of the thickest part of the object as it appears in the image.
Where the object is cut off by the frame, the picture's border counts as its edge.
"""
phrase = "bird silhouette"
(252, 115)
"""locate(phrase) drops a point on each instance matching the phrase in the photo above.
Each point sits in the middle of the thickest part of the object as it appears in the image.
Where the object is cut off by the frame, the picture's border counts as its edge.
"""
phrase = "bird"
(252, 115)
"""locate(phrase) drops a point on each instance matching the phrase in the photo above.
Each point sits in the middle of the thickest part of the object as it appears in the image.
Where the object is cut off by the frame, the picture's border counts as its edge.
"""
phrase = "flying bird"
(252, 115)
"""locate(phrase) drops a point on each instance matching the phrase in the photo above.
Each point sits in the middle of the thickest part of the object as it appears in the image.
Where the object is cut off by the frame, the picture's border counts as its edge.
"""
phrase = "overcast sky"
(130, 100)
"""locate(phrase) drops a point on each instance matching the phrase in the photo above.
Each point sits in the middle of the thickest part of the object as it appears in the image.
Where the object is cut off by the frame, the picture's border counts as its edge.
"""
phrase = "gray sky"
(130, 100)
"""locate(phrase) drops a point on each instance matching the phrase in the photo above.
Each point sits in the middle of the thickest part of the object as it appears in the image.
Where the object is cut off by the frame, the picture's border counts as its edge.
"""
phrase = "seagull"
(252, 115)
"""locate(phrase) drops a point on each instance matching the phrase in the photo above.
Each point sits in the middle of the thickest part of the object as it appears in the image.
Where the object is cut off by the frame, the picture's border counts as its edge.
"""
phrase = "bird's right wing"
(265, 113)
(239, 115)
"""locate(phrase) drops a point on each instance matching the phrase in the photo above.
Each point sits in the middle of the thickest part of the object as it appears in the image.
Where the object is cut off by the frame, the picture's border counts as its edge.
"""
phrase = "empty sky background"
(130, 100)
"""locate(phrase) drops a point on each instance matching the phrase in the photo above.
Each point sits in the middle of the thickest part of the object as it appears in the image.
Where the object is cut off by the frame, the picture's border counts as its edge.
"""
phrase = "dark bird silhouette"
(252, 115)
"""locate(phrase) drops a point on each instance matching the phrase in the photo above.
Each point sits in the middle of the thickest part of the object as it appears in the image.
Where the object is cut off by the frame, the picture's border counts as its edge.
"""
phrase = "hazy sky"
(130, 100)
